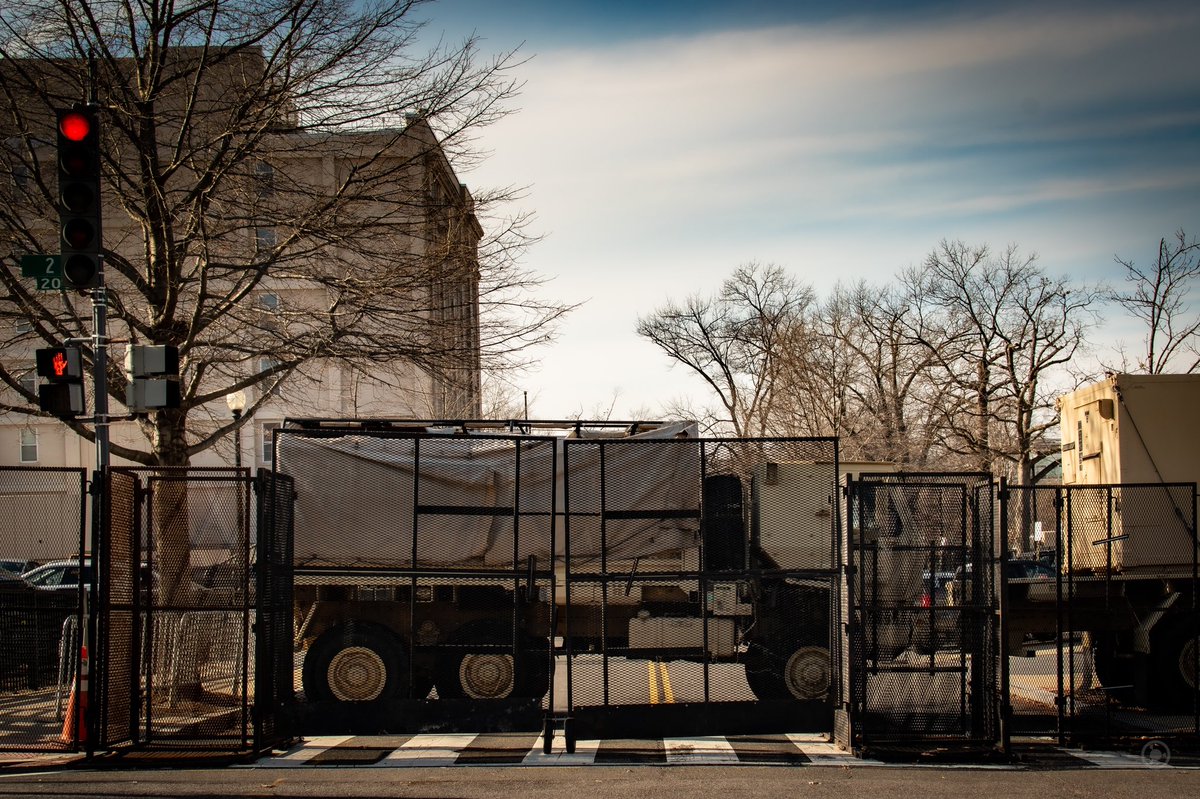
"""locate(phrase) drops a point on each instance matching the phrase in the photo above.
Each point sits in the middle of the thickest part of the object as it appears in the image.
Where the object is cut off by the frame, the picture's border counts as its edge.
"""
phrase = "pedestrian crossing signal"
(62, 394)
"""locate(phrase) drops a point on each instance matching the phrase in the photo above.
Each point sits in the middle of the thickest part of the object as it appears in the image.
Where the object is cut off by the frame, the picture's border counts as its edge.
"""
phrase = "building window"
(268, 441)
(29, 446)
(264, 238)
(264, 176)
(20, 176)
(24, 326)
(269, 302)
(29, 382)
(266, 365)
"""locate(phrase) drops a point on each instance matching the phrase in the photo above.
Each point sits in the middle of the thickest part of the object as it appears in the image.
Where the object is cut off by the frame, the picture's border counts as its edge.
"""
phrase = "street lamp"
(237, 403)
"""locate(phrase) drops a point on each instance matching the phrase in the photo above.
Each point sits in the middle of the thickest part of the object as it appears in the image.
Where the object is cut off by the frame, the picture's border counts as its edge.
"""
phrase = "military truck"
(452, 560)
(1125, 527)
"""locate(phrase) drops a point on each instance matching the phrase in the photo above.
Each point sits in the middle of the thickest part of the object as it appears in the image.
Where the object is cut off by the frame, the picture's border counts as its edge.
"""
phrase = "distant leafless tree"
(1160, 297)
(891, 398)
(737, 341)
(1008, 326)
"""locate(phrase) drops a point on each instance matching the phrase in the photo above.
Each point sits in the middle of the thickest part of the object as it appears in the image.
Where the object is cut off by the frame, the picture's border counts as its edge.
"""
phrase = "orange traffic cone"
(74, 728)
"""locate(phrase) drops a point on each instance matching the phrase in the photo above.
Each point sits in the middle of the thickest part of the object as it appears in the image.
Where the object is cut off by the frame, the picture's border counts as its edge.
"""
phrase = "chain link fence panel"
(42, 527)
(1102, 613)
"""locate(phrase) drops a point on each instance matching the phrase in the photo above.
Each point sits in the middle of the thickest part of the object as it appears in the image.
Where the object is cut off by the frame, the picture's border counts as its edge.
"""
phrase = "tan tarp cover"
(355, 498)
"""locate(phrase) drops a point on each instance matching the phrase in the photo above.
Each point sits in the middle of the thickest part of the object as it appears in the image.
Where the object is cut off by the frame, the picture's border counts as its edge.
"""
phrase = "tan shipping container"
(1132, 429)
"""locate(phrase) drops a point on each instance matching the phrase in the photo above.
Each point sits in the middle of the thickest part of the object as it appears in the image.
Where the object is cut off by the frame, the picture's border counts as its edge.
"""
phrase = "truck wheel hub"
(486, 676)
(357, 674)
(807, 673)
(1187, 662)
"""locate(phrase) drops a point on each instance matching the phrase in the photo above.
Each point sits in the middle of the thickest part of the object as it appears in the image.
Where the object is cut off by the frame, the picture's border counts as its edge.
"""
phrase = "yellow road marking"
(658, 673)
(666, 683)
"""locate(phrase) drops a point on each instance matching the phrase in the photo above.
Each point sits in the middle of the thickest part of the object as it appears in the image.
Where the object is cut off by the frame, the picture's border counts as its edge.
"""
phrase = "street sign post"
(46, 270)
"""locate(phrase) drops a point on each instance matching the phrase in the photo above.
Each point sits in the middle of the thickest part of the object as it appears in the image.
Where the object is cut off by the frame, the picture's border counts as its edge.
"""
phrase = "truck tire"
(533, 669)
(491, 671)
(799, 671)
(355, 662)
(1113, 669)
(1173, 650)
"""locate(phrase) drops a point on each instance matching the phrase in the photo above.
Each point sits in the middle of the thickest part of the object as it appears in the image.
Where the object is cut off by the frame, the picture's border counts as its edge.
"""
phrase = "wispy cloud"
(1071, 129)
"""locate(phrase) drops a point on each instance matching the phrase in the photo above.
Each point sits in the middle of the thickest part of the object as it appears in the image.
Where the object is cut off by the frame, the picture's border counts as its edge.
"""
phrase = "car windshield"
(63, 574)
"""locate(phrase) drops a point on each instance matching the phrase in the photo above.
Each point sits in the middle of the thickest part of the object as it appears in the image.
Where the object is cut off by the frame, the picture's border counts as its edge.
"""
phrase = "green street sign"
(46, 270)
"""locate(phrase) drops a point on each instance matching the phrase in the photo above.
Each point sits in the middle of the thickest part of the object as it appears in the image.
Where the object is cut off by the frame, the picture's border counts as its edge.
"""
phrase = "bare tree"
(1009, 326)
(891, 394)
(302, 143)
(736, 341)
(1159, 297)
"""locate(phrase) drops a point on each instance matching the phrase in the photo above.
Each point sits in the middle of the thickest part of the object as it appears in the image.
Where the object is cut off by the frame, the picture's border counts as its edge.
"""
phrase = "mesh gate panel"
(424, 578)
(41, 524)
(119, 636)
(438, 579)
(1101, 612)
(179, 596)
(275, 621)
(924, 649)
(699, 572)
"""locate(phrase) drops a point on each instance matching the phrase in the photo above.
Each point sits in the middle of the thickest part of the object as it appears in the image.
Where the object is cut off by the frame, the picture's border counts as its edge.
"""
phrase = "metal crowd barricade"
(68, 663)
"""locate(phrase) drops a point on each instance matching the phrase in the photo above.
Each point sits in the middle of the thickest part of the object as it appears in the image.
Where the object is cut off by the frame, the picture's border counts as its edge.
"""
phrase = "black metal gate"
(604, 582)
(43, 511)
(423, 579)
(922, 609)
(274, 625)
(700, 586)
(1103, 626)
(174, 609)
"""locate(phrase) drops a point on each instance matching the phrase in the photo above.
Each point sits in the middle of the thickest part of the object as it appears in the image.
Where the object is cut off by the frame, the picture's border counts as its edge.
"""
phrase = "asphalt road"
(810, 782)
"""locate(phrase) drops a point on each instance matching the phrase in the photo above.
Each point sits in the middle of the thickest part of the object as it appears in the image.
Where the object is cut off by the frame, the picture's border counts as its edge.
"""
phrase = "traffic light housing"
(153, 377)
(79, 196)
(62, 394)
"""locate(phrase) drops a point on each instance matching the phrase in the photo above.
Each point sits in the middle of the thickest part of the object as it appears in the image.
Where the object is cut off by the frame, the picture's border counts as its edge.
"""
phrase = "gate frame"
(111, 729)
(850, 729)
(70, 667)
(418, 715)
(1066, 729)
(708, 716)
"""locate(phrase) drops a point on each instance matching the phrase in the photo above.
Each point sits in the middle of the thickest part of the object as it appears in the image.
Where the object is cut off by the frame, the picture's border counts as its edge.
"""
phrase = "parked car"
(65, 576)
(1048, 558)
(17, 565)
(1027, 580)
(934, 584)
(31, 625)
(60, 575)
(1027, 577)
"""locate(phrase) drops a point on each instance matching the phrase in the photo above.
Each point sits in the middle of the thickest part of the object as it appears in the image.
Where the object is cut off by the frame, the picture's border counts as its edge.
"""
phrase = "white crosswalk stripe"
(802, 749)
(448, 749)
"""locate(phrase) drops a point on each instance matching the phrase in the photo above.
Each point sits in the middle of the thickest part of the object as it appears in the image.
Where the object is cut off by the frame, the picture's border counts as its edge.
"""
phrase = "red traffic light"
(75, 125)
(78, 233)
(79, 196)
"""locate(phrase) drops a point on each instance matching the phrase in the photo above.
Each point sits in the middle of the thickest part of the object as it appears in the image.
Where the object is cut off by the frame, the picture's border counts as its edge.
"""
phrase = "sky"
(665, 143)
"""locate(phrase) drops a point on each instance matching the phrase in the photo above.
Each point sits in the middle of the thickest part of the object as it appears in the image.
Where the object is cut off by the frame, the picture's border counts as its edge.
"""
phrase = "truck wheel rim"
(807, 673)
(1187, 662)
(357, 674)
(486, 676)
